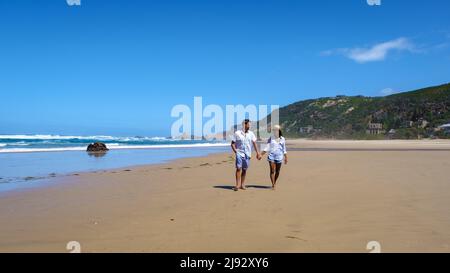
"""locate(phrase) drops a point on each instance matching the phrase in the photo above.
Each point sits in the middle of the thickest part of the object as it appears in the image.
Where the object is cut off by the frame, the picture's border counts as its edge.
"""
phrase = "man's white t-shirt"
(243, 142)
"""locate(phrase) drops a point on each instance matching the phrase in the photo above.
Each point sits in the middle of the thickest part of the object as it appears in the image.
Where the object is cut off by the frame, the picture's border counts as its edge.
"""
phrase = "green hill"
(408, 115)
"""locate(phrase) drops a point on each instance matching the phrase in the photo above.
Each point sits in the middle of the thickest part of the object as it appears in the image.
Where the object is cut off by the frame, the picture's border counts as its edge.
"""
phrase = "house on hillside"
(423, 123)
(391, 133)
(375, 129)
(306, 130)
(445, 128)
(409, 124)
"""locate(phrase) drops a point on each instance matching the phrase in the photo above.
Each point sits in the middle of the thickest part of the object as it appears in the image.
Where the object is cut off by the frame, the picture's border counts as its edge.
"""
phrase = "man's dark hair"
(246, 121)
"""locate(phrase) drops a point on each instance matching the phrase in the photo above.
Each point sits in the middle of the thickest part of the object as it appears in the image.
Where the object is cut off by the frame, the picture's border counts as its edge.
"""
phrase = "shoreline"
(299, 144)
(52, 179)
(125, 147)
(226, 143)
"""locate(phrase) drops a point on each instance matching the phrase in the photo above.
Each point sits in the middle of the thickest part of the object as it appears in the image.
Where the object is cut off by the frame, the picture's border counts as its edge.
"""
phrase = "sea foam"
(114, 147)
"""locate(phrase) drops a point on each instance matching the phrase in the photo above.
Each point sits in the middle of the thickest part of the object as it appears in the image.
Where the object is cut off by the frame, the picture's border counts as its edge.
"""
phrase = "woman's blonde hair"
(278, 127)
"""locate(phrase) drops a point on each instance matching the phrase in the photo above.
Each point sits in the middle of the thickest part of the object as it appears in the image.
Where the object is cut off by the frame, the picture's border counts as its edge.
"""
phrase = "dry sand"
(336, 199)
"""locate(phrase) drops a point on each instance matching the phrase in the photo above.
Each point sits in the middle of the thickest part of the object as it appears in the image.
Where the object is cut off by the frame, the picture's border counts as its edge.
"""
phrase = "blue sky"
(119, 66)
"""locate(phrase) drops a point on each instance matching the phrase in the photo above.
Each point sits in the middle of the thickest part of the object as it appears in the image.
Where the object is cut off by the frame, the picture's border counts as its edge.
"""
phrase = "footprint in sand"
(205, 164)
(168, 168)
(296, 238)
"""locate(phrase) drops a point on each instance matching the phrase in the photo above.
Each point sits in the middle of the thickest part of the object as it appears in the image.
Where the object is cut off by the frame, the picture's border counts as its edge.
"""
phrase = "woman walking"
(276, 149)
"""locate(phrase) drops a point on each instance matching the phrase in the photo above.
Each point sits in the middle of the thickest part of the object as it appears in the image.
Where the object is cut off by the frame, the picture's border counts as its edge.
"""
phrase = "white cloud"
(388, 91)
(374, 53)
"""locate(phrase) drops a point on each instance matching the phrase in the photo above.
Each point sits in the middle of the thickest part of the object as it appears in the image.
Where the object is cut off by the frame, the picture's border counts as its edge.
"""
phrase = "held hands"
(260, 155)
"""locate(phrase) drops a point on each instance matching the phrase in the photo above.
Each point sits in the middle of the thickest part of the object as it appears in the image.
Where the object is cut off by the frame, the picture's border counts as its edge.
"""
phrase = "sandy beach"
(335, 196)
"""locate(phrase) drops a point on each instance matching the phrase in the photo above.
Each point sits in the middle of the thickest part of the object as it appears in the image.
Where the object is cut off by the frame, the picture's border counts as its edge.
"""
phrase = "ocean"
(52, 143)
(32, 160)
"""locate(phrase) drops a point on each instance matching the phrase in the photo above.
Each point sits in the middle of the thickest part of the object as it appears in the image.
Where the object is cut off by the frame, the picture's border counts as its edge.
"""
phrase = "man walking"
(241, 144)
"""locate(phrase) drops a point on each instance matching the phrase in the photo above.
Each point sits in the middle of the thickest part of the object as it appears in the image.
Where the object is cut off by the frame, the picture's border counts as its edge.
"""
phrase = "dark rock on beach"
(97, 147)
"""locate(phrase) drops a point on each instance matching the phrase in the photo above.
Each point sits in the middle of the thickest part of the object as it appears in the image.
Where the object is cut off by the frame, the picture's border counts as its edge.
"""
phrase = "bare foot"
(235, 188)
(243, 187)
